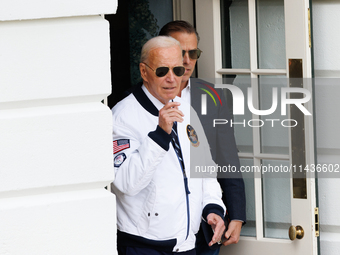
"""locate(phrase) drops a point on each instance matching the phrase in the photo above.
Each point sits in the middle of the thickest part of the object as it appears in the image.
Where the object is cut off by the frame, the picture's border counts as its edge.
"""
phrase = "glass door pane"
(235, 34)
(243, 132)
(275, 127)
(249, 229)
(271, 34)
(276, 198)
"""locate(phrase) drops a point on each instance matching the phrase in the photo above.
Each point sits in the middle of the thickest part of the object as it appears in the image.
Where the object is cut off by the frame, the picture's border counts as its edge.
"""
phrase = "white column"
(55, 134)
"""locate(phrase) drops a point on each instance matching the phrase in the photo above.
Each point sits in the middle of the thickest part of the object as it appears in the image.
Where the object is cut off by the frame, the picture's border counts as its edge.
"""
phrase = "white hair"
(155, 43)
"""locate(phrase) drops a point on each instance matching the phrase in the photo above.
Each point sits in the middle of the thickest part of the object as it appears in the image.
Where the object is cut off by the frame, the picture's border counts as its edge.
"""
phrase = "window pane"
(235, 34)
(271, 34)
(274, 132)
(276, 199)
(243, 132)
(249, 228)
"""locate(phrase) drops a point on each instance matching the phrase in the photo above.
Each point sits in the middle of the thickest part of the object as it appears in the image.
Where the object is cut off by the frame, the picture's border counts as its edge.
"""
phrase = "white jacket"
(153, 207)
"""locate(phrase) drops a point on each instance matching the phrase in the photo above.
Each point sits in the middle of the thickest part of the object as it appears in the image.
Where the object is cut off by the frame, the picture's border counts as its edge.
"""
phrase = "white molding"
(40, 9)
(208, 21)
(183, 10)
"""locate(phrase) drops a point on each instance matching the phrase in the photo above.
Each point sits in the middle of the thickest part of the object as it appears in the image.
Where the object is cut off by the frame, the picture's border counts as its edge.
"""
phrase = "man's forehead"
(162, 54)
(185, 37)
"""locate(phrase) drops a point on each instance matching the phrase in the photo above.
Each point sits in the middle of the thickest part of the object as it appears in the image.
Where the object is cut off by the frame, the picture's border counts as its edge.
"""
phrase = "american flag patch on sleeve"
(121, 144)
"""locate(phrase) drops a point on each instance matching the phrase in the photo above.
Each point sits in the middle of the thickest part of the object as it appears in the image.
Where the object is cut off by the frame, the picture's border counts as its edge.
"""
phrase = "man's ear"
(142, 69)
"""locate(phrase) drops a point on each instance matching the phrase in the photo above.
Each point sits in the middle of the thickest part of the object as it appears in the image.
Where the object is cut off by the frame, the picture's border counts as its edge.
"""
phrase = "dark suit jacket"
(223, 147)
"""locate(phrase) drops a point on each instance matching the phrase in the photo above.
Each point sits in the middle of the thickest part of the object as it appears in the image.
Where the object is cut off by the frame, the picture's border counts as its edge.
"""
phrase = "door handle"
(296, 232)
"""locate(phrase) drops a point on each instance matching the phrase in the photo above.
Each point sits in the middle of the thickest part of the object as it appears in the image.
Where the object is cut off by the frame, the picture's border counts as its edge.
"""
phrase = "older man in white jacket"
(155, 136)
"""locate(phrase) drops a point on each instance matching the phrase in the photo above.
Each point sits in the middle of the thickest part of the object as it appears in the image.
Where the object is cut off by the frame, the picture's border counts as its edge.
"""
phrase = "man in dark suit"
(221, 138)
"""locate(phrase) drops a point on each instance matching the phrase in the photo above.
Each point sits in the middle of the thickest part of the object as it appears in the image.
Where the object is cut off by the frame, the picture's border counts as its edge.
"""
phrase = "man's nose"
(170, 75)
(186, 58)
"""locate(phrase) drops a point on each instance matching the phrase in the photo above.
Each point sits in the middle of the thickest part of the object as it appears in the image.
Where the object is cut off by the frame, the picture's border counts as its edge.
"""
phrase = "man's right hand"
(168, 114)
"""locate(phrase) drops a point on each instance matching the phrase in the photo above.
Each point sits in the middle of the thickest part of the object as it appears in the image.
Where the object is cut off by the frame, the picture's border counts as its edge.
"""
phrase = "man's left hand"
(217, 224)
(233, 232)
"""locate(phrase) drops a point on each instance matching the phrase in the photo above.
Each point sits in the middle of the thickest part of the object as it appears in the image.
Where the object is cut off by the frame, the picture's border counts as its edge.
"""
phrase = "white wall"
(326, 37)
(56, 149)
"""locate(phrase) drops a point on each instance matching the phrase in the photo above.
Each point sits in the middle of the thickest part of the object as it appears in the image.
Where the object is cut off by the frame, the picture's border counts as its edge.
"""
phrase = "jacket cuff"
(161, 137)
(212, 208)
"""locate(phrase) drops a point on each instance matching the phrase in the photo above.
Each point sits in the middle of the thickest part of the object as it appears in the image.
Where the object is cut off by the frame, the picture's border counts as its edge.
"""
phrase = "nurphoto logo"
(239, 103)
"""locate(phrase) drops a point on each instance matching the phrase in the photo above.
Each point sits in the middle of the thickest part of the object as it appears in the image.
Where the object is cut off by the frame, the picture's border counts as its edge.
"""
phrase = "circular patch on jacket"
(119, 159)
(192, 136)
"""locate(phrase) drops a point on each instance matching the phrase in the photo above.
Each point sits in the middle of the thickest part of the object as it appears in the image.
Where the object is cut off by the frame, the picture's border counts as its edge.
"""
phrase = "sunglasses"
(193, 54)
(163, 70)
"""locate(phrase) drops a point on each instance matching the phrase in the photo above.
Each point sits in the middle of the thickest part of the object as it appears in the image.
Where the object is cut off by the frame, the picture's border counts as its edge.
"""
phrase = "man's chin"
(171, 95)
(185, 80)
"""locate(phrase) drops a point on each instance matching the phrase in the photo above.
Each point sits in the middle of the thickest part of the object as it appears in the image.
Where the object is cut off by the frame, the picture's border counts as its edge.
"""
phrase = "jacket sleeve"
(136, 164)
(212, 198)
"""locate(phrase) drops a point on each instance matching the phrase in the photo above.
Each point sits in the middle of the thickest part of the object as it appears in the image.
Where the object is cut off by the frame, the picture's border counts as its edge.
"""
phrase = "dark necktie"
(177, 147)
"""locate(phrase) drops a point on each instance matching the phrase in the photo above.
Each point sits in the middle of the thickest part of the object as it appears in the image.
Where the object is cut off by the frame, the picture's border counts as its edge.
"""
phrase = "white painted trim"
(270, 71)
(258, 203)
(252, 35)
(209, 22)
(233, 71)
(176, 10)
(263, 156)
(256, 71)
(272, 156)
(217, 36)
(37, 9)
(183, 10)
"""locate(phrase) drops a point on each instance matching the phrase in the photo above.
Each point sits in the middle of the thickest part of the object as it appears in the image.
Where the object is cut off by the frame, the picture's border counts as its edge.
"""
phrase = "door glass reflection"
(276, 199)
(249, 228)
(271, 34)
(235, 34)
(275, 127)
(243, 132)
